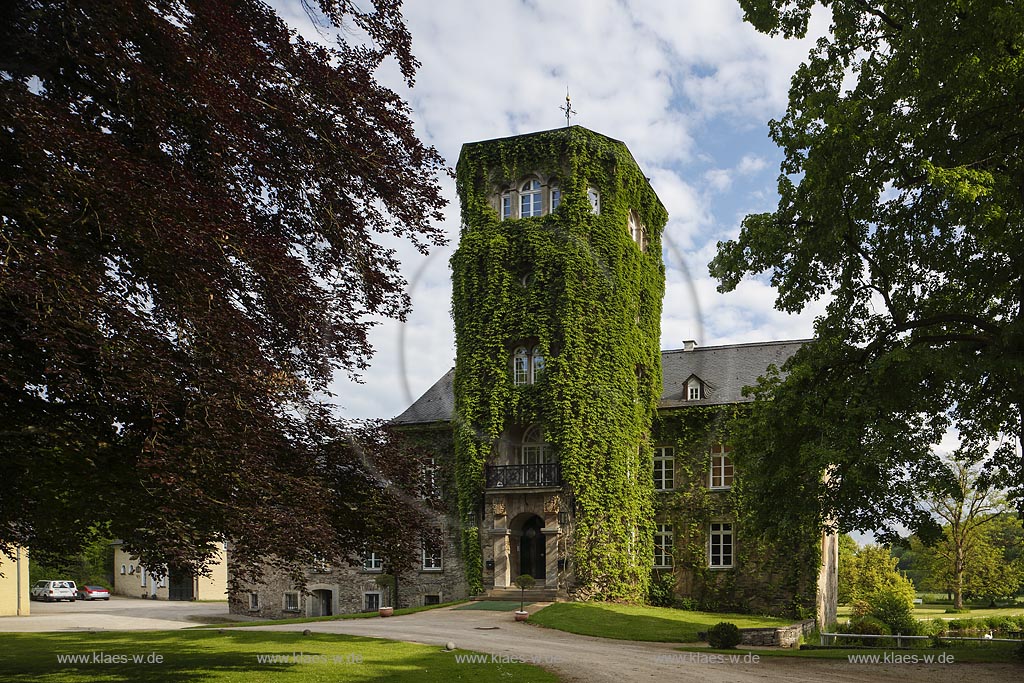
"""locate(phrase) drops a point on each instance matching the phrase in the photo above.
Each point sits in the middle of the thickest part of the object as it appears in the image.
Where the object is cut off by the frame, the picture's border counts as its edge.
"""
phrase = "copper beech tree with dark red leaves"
(190, 194)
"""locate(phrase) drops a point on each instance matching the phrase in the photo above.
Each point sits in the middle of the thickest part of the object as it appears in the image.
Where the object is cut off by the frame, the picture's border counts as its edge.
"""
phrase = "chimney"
(689, 345)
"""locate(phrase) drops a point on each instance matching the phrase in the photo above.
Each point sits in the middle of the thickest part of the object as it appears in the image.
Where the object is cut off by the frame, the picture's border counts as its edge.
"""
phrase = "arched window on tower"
(536, 363)
(556, 197)
(529, 199)
(521, 366)
(595, 200)
(535, 450)
(506, 206)
(637, 231)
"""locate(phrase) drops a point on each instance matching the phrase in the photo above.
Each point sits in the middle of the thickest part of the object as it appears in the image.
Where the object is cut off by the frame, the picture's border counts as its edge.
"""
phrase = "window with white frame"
(431, 556)
(372, 562)
(556, 197)
(291, 601)
(664, 468)
(720, 545)
(506, 206)
(721, 467)
(693, 390)
(595, 200)
(663, 546)
(527, 365)
(535, 450)
(124, 569)
(254, 601)
(529, 199)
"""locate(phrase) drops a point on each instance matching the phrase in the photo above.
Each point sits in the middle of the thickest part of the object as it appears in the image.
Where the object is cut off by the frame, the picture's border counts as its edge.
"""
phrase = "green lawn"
(234, 656)
(633, 622)
(221, 622)
(984, 652)
(930, 610)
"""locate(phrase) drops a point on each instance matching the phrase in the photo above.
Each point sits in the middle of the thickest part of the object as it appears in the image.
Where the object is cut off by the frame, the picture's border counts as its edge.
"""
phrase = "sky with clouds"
(686, 84)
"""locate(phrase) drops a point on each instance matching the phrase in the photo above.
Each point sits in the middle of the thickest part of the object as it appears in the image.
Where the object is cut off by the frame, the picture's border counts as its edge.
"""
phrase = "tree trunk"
(958, 580)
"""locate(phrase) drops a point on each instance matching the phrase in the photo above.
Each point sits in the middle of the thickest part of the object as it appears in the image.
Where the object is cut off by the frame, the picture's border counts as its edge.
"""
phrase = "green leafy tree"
(868, 570)
(900, 204)
(191, 197)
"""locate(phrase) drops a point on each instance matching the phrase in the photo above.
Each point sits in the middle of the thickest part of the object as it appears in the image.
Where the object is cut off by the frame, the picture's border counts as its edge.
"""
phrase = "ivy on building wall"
(772, 578)
(575, 284)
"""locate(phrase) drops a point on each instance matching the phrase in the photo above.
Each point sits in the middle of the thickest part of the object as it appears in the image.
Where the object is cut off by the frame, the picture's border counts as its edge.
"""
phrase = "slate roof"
(724, 371)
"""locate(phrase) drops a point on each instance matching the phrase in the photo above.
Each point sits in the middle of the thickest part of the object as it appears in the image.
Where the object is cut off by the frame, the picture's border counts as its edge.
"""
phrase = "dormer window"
(529, 199)
(595, 200)
(693, 392)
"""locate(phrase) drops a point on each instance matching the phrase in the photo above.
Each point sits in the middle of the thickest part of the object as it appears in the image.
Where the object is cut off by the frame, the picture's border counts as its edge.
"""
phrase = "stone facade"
(788, 636)
(351, 588)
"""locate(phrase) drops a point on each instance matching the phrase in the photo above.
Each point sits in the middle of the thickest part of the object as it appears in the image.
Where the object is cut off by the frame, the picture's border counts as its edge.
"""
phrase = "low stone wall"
(787, 636)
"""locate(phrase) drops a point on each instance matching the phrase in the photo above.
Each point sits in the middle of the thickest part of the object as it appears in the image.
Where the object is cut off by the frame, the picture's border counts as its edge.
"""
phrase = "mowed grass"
(634, 622)
(993, 653)
(930, 610)
(209, 656)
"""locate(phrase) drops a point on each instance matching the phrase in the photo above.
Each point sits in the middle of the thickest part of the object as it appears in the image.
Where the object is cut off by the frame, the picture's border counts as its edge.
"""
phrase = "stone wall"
(787, 636)
(344, 589)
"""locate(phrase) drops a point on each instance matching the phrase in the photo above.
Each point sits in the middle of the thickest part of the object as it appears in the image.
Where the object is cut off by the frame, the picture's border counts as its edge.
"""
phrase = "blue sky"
(685, 84)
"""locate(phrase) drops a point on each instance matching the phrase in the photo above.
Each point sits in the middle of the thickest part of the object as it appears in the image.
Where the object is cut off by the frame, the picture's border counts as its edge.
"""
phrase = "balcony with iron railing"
(534, 475)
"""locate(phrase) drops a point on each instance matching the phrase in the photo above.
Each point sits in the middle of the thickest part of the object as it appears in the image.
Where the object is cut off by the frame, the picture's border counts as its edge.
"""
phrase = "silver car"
(51, 591)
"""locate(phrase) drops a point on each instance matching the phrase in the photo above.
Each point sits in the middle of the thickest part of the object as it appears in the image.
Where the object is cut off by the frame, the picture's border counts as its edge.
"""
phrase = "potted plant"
(387, 582)
(524, 582)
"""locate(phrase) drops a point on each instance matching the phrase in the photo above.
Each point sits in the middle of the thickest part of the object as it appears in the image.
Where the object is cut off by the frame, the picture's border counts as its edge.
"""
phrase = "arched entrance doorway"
(533, 559)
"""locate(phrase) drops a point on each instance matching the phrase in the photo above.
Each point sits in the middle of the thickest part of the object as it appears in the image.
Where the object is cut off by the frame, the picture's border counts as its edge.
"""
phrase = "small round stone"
(449, 645)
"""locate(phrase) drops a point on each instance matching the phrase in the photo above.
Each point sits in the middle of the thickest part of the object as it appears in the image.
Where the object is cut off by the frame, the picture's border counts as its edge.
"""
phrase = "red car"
(93, 593)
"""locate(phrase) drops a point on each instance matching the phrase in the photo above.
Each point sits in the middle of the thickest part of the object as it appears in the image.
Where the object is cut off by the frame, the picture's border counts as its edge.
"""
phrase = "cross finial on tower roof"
(567, 109)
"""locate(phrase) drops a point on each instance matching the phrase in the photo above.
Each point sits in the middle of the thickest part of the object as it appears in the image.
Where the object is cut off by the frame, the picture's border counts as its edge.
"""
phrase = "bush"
(860, 608)
(869, 626)
(660, 593)
(686, 604)
(724, 635)
(894, 607)
(1002, 624)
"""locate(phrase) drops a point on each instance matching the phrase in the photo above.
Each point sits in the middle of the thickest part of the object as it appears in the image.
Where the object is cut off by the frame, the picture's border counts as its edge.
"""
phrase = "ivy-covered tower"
(557, 289)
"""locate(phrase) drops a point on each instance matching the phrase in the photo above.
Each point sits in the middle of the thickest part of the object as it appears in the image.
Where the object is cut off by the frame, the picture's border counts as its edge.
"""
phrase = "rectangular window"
(372, 562)
(521, 370)
(720, 541)
(529, 204)
(429, 478)
(663, 546)
(694, 392)
(254, 601)
(721, 467)
(506, 206)
(371, 602)
(431, 599)
(664, 468)
(556, 197)
(431, 556)
(291, 602)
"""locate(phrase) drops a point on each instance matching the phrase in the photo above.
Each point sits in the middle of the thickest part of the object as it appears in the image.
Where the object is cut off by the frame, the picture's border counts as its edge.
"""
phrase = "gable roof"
(724, 371)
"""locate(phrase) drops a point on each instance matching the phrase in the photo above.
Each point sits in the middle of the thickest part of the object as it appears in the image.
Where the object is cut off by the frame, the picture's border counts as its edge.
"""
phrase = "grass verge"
(304, 620)
(635, 622)
(243, 656)
(985, 653)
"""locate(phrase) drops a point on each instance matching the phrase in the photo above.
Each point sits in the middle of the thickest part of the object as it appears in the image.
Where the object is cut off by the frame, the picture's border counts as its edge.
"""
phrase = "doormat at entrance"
(492, 605)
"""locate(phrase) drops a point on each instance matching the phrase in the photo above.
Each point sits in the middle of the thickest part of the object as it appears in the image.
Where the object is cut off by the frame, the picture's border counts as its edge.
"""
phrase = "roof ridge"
(776, 342)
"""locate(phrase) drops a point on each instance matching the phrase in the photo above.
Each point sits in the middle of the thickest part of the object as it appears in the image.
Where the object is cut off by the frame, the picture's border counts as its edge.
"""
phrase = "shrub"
(724, 635)
(860, 608)
(894, 607)
(660, 593)
(869, 626)
(686, 604)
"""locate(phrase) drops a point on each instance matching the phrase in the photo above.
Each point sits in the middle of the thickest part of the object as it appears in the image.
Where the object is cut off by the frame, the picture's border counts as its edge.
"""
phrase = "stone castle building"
(567, 444)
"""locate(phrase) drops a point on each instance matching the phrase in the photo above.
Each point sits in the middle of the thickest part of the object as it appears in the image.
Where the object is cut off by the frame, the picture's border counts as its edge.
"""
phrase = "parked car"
(51, 591)
(93, 593)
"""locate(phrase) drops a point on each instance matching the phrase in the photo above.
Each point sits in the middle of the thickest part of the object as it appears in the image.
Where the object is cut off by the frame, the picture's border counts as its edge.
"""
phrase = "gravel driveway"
(598, 660)
(116, 614)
